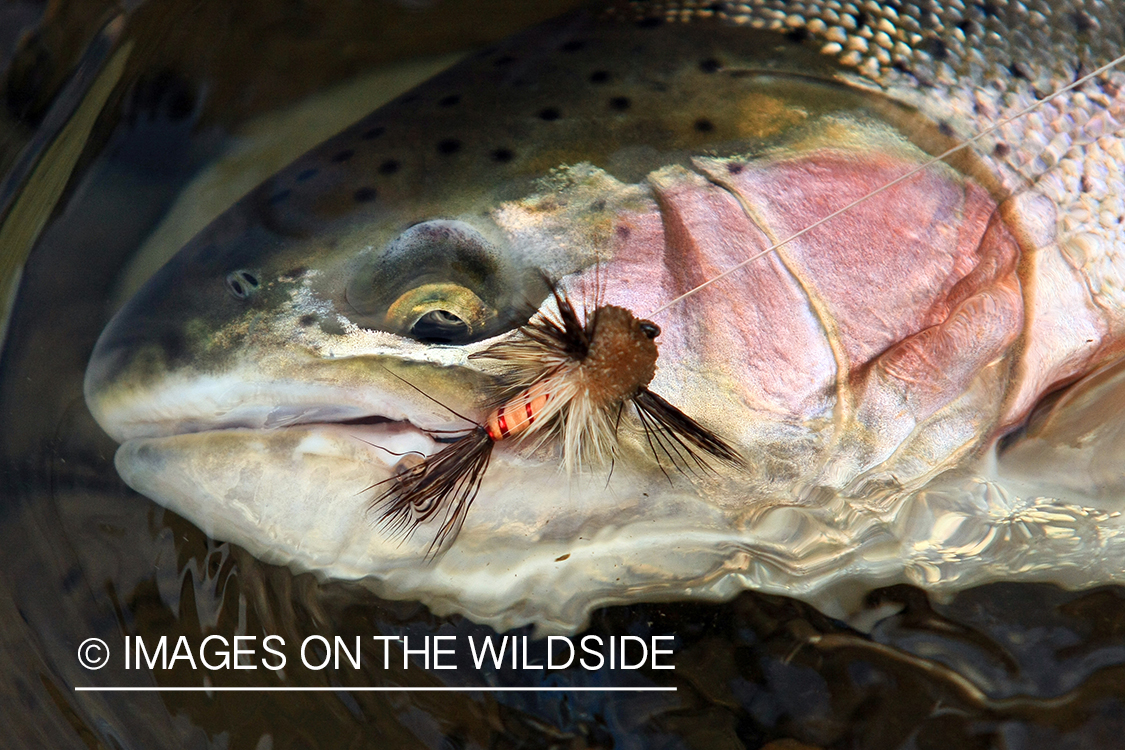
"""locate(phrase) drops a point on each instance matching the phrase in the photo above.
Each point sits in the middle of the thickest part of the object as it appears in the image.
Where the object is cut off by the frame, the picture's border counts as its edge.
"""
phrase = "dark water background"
(1006, 665)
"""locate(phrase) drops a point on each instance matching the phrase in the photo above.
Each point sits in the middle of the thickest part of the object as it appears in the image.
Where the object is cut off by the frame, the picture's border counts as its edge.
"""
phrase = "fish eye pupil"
(440, 327)
(650, 329)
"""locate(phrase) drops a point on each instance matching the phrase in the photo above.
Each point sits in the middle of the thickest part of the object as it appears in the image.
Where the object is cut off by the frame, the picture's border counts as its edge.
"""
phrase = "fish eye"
(441, 281)
(650, 329)
(442, 313)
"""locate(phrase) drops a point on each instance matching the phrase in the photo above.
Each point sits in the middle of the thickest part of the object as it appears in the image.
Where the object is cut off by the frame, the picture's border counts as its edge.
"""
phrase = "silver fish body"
(284, 361)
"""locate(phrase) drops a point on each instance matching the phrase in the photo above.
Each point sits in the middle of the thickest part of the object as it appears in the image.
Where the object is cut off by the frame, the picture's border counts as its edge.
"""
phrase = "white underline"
(227, 689)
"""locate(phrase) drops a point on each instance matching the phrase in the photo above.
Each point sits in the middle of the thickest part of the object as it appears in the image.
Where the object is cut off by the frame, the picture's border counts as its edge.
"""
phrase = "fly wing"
(677, 437)
(444, 485)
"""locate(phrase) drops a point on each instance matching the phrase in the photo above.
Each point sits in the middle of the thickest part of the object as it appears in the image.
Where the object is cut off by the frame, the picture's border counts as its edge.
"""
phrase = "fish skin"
(186, 355)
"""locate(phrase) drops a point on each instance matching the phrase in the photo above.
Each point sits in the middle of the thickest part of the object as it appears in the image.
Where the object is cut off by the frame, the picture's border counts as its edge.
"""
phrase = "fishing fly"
(561, 377)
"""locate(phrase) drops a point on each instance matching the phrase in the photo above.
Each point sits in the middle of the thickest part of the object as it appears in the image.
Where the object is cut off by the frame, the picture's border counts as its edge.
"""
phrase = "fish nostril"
(242, 283)
(650, 329)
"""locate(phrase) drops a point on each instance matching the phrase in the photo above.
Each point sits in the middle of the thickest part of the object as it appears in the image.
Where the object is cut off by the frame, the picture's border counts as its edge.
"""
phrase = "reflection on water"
(1000, 666)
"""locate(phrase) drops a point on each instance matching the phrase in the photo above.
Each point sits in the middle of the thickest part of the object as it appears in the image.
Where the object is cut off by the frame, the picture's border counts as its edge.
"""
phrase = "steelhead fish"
(876, 374)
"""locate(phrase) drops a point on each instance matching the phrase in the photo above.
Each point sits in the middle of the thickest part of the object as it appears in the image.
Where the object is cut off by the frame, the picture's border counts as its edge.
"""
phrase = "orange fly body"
(513, 418)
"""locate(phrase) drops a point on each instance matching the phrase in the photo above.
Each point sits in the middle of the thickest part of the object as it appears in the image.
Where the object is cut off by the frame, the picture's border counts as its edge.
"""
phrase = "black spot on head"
(306, 320)
(364, 195)
(988, 9)
(649, 23)
(797, 36)
(573, 45)
(504, 60)
(390, 166)
(710, 65)
(862, 19)
(623, 231)
(449, 101)
(502, 155)
(343, 155)
(279, 196)
(1001, 149)
(945, 129)
(449, 146)
(937, 48)
(734, 168)
(373, 133)
(306, 175)
(599, 76)
(620, 103)
(1082, 22)
(703, 125)
(550, 114)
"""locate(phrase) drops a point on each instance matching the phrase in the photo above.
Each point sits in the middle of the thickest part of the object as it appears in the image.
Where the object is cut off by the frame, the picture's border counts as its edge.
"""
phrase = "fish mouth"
(287, 464)
(232, 404)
